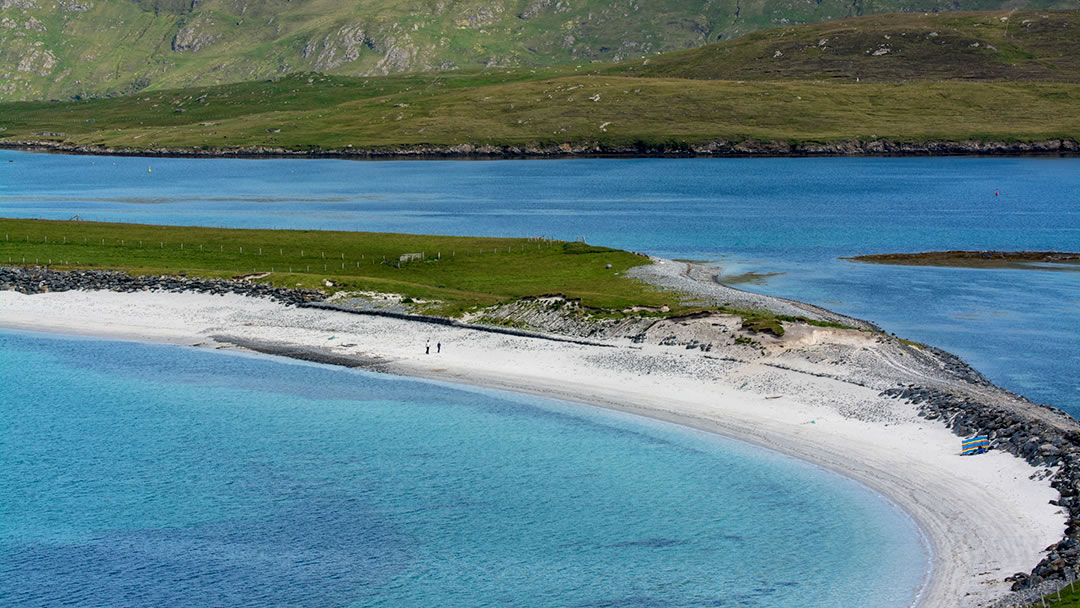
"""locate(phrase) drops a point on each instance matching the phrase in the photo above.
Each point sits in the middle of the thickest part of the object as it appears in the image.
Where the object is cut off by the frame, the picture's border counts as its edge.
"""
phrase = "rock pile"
(1035, 439)
(41, 280)
(956, 367)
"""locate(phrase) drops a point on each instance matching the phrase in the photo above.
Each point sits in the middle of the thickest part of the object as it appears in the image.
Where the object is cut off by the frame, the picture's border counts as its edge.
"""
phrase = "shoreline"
(851, 147)
(983, 517)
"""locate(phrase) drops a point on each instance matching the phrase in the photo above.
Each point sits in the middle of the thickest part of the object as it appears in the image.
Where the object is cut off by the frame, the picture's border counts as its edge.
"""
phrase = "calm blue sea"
(792, 216)
(141, 475)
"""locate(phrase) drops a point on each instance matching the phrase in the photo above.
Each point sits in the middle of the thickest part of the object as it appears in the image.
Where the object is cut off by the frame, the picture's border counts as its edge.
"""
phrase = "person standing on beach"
(427, 348)
(438, 347)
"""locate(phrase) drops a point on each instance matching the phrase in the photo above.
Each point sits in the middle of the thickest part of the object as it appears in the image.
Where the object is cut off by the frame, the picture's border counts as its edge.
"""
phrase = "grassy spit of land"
(902, 79)
(452, 275)
(438, 275)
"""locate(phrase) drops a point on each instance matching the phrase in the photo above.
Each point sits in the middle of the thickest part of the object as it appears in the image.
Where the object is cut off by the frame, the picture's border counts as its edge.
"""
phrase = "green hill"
(1027, 45)
(728, 92)
(62, 49)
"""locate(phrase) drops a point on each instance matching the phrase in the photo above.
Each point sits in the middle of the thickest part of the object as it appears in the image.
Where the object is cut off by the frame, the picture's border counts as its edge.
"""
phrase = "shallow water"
(154, 475)
(794, 216)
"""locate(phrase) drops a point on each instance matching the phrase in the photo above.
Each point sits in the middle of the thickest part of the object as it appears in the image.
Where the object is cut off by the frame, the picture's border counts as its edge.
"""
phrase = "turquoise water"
(793, 216)
(151, 475)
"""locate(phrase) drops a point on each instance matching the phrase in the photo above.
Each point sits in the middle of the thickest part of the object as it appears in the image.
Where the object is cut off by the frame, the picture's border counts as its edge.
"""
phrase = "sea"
(150, 475)
(144, 475)
(782, 223)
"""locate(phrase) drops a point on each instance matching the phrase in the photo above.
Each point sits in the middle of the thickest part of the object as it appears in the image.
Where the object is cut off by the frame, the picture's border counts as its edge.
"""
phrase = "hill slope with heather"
(1018, 85)
(1013, 46)
(63, 49)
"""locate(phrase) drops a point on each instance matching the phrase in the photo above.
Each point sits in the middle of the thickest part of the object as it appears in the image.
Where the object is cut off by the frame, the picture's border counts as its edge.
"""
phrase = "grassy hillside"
(62, 49)
(1015, 46)
(913, 93)
(456, 273)
(326, 114)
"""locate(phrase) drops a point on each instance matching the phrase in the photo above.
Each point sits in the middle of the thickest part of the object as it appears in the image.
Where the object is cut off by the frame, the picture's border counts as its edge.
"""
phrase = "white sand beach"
(984, 517)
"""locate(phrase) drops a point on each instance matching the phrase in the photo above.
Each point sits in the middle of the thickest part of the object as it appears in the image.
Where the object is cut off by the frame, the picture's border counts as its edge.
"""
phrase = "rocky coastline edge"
(714, 148)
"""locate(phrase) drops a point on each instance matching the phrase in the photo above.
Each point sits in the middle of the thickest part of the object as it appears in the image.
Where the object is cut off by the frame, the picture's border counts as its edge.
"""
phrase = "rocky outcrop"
(74, 6)
(338, 48)
(195, 35)
(39, 61)
(534, 9)
(481, 16)
(400, 55)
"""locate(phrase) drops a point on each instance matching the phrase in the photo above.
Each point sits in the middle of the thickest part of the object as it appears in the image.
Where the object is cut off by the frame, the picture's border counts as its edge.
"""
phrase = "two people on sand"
(427, 347)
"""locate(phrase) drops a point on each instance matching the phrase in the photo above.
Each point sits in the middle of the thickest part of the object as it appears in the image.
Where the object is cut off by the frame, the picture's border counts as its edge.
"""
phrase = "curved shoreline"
(751, 436)
(581, 394)
(706, 149)
(980, 515)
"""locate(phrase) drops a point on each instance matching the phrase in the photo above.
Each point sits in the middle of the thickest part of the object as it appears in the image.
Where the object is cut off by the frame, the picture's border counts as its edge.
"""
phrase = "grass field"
(455, 274)
(310, 112)
(1068, 598)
